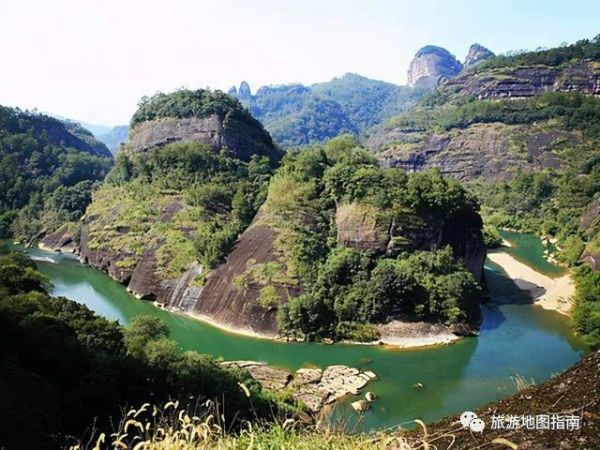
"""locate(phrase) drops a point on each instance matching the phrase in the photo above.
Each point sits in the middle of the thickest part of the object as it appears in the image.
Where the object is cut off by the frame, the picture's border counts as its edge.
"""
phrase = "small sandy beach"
(435, 335)
(559, 291)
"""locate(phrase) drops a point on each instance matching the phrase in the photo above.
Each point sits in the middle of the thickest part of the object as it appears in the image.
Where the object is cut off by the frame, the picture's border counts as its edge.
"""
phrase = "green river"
(516, 338)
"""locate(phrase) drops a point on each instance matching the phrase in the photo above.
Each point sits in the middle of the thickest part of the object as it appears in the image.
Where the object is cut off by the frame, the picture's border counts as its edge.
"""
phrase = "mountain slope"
(471, 126)
(186, 184)
(47, 172)
(524, 130)
(299, 115)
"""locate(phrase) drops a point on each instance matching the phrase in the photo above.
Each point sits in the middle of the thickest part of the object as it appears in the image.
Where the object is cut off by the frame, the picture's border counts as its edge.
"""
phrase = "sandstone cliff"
(363, 227)
(431, 65)
(518, 82)
(491, 151)
(444, 132)
(232, 132)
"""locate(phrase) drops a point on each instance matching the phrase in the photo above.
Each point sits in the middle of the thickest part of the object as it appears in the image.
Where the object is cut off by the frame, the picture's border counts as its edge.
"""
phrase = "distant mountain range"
(298, 115)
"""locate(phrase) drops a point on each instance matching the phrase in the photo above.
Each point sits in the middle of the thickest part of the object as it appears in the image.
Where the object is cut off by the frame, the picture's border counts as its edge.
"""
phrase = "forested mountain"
(299, 115)
(188, 186)
(524, 130)
(48, 170)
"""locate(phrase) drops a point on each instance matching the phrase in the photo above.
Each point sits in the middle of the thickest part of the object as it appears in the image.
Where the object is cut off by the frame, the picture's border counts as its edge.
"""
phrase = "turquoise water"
(515, 338)
(528, 248)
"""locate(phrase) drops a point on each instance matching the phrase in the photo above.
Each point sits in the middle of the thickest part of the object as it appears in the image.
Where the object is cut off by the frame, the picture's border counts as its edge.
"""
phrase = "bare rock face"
(590, 223)
(225, 301)
(231, 132)
(363, 227)
(490, 151)
(62, 240)
(477, 54)
(432, 65)
(518, 82)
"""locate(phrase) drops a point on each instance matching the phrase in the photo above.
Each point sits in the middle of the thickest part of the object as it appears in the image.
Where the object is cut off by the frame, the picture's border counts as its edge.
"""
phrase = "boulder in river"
(312, 386)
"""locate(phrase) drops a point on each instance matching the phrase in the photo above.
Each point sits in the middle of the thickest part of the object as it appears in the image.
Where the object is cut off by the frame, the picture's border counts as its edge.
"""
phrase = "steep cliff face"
(491, 151)
(519, 82)
(364, 227)
(432, 65)
(237, 305)
(231, 132)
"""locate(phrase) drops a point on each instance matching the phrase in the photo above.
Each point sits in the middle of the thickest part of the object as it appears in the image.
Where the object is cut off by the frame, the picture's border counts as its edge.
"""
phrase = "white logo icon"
(469, 419)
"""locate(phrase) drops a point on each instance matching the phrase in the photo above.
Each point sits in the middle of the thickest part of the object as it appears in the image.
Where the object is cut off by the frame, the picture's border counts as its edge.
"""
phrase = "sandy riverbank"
(416, 337)
(558, 291)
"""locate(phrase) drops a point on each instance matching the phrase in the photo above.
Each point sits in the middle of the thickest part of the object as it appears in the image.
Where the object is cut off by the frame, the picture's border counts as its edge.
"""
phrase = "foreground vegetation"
(193, 201)
(63, 367)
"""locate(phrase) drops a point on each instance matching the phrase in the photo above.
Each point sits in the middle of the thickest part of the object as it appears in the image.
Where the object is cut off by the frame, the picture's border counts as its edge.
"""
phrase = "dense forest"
(581, 50)
(63, 368)
(298, 115)
(48, 170)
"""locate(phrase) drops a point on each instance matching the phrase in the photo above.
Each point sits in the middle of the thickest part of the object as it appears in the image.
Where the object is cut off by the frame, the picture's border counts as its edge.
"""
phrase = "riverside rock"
(312, 386)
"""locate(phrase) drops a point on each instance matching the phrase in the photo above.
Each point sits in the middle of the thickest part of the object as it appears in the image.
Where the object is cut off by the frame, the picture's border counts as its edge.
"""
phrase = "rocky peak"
(232, 91)
(477, 53)
(431, 65)
(244, 92)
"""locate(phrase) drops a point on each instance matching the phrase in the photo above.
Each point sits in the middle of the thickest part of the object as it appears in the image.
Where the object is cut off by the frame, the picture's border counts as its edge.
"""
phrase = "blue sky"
(93, 60)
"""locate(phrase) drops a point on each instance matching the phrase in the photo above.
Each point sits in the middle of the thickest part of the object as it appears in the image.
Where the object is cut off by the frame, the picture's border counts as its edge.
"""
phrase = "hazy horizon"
(92, 62)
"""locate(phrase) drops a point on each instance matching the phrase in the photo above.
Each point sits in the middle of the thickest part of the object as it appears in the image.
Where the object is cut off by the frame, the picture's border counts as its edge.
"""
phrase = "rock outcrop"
(491, 151)
(61, 240)
(314, 387)
(519, 82)
(432, 65)
(237, 307)
(232, 132)
(363, 227)
(477, 54)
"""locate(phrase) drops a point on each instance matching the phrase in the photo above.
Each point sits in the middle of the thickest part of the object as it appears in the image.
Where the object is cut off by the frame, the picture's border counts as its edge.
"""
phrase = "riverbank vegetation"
(560, 205)
(315, 201)
(45, 181)
(63, 368)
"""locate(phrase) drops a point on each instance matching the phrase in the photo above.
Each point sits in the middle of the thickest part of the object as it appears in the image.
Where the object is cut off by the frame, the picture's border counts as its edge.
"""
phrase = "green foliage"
(184, 199)
(47, 174)
(573, 110)
(356, 332)
(583, 49)
(491, 236)
(185, 103)
(63, 367)
(141, 331)
(298, 115)
(268, 297)
(587, 310)
(356, 287)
